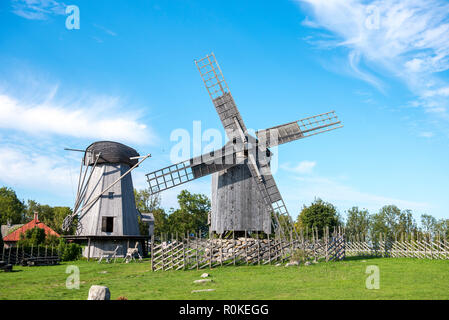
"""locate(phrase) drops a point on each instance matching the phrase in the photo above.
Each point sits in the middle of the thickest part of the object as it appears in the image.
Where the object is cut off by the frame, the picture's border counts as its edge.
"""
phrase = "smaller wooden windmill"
(105, 207)
(245, 196)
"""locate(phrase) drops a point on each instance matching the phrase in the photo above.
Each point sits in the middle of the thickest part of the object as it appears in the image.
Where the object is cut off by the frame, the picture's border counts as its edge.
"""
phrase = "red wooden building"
(11, 239)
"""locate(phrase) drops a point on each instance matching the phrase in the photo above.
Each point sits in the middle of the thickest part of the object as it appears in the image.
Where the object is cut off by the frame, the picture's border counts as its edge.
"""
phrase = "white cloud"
(23, 168)
(444, 92)
(426, 134)
(37, 9)
(304, 167)
(101, 120)
(406, 39)
(109, 32)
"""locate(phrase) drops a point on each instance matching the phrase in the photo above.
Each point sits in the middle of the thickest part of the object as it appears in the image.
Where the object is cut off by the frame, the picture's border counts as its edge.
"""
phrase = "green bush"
(301, 255)
(69, 251)
(35, 237)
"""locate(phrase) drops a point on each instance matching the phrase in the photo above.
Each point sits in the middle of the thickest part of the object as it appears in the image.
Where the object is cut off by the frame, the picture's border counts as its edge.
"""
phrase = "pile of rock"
(242, 248)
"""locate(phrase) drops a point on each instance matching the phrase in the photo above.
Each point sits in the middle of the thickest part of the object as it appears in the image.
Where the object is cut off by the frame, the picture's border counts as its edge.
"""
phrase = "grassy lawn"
(400, 278)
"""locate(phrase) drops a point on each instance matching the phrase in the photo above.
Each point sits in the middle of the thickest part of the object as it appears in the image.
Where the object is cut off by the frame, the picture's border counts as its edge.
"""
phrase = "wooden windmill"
(105, 209)
(244, 193)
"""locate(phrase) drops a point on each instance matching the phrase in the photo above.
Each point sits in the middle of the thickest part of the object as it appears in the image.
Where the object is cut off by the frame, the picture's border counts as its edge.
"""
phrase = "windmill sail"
(299, 129)
(219, 93)
(193, 168)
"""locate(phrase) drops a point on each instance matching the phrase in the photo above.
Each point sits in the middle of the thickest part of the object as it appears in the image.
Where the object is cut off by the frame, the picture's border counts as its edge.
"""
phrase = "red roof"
(15, 235)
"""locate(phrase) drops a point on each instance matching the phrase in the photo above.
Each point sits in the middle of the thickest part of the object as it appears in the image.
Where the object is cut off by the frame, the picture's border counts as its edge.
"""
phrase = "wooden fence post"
(326, 238)
(246, 248)
(234, 245)
(269, 249)
(211, 249)
(152, 252)
(221, 250)
(88, 249)
(291, 245)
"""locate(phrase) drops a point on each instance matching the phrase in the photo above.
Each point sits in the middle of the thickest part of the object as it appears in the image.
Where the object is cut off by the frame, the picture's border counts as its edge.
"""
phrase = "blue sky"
(128, 75)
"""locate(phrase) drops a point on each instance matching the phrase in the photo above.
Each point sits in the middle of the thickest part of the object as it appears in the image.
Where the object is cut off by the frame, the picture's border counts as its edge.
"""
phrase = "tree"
(11, 208)
(285, 222)
(318, 215)
(145, 201)
(59, 214)
(51, 216)
(192, 215)
(442, 228)
(35, 236)
(429, 224)
(150, 203)
(392, 222)
(30, 209)
(160, 221)
(407, 223)
(357, 222)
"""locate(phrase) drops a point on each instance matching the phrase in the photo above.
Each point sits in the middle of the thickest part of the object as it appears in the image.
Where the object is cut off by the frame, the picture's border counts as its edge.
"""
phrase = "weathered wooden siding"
(236, 202)
(122, 205)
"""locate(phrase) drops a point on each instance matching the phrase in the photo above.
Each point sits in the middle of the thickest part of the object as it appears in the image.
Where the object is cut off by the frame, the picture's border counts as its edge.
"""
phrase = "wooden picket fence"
(404, 248)
(196, 252)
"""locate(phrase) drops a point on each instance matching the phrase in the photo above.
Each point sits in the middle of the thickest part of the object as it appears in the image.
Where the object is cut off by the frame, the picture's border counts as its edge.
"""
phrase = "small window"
(107, 224)
(111, 195)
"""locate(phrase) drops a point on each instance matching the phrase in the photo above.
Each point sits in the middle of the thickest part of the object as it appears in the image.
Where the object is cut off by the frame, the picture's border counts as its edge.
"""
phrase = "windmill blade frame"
(299, 129)
(220, 94)
(196, 167)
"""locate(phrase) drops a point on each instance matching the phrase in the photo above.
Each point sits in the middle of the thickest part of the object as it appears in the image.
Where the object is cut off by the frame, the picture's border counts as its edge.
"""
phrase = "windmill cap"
(111, 152)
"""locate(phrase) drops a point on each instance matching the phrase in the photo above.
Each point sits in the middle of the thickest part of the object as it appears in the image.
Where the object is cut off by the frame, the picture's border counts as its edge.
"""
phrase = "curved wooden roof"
(111, 152)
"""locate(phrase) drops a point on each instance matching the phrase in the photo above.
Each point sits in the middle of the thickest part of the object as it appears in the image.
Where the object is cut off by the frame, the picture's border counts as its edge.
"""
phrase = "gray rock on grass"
(99, 293)
(202, 281)
(203, 290)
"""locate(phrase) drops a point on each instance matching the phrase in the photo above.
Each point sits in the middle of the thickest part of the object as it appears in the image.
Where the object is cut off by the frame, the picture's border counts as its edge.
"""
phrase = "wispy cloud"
(25, 168)
(101, 120)
(303, 167)
(107, 31)
(37, 9)
(426, 134)
(405, 39)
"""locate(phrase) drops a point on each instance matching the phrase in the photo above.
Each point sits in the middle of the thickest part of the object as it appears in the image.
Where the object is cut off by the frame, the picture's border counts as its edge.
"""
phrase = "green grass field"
(400, 278)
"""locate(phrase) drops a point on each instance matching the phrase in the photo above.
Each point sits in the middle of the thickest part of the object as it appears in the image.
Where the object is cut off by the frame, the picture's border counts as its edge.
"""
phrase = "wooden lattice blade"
(218, 90)
(194, 168)
(299, 129)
